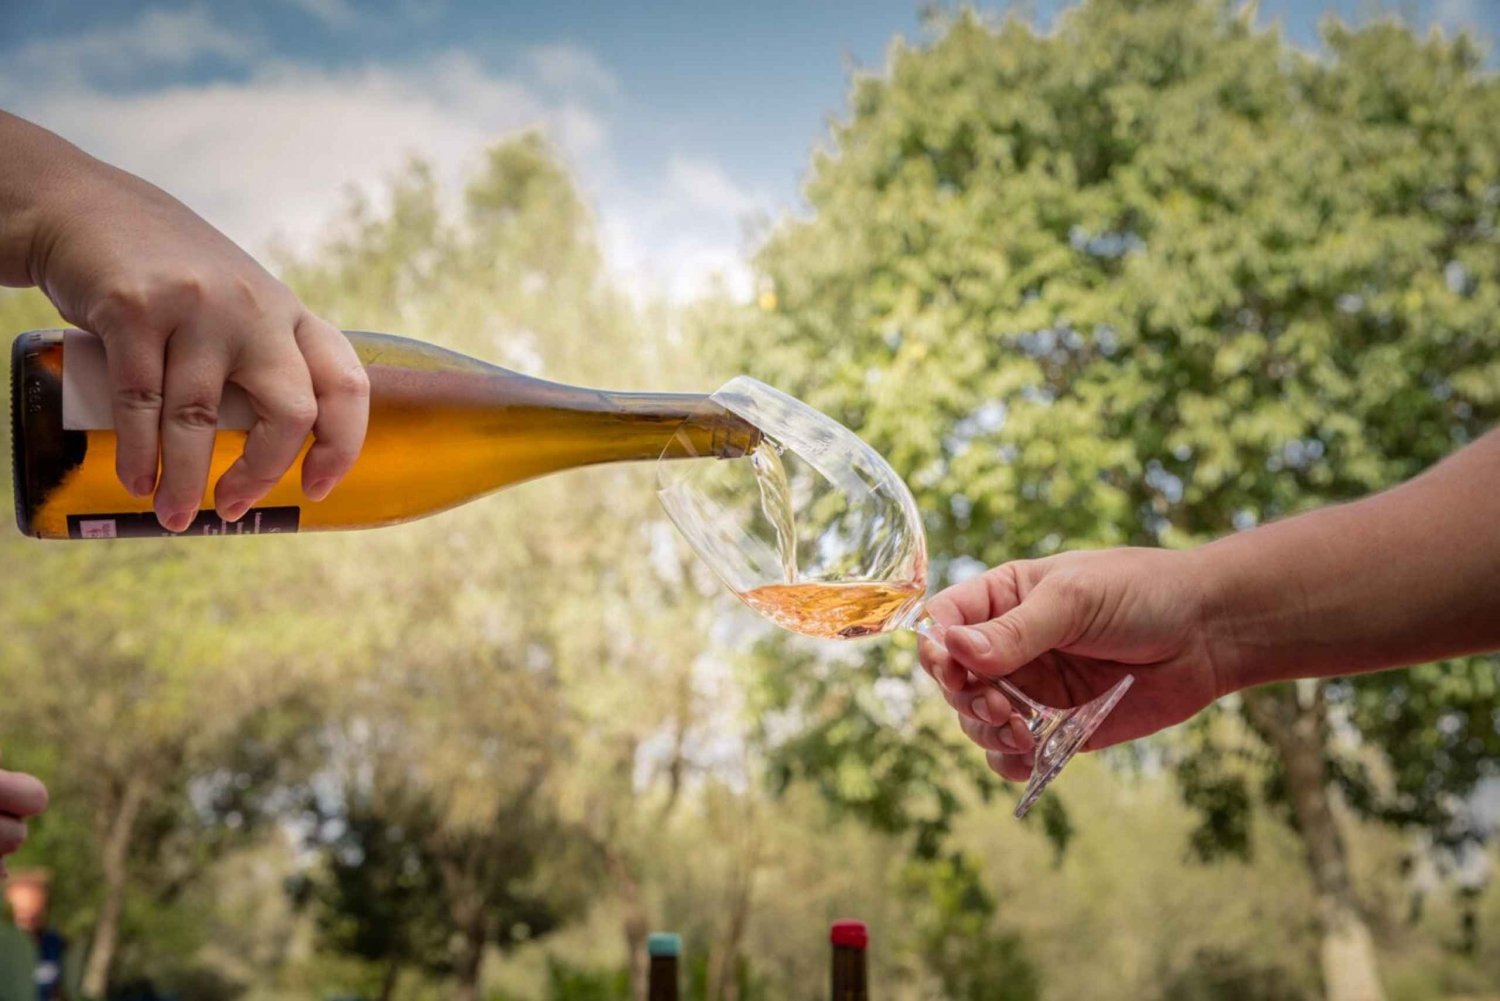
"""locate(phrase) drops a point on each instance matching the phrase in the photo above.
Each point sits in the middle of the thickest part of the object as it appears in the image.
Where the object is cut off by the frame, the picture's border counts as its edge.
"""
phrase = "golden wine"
(444, 429)
(776, 502)
(843, 610)
(850, 981)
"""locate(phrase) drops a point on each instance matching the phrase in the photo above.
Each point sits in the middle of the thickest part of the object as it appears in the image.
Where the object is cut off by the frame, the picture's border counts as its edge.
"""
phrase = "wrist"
(64, 196)
(41, 177)
(1236, 619)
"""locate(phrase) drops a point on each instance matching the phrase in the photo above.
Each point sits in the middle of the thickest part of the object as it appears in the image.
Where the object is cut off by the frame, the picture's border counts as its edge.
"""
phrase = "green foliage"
(1142, 280)
(379, 897)
(1441, 720)
(1147, 279)
(892, 773)
(972, 961)
(566, 983)
(447, 762)
(1217, 976)
(1217, 782)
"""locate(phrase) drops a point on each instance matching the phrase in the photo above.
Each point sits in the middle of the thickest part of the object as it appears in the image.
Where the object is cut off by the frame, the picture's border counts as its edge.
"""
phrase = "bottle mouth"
(847, 934)
(663, 945)
(715, 428)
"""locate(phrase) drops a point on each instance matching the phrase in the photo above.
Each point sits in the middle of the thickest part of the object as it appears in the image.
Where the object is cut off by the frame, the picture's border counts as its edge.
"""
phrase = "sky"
(683, 122)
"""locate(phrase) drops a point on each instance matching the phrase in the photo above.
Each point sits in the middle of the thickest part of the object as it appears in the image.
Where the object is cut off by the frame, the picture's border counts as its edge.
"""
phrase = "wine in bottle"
(850, 939)
(444, 429)
(663, 948)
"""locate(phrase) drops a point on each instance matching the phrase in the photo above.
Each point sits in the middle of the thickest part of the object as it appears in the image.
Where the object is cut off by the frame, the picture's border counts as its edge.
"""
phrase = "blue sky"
(681, 120)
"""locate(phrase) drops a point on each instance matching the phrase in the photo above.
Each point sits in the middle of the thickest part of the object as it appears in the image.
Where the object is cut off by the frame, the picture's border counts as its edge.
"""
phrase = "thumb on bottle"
(1043, 621)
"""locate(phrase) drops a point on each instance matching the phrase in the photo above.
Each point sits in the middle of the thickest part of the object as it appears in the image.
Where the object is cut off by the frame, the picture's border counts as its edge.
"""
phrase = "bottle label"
(86, 397)
(137, 525)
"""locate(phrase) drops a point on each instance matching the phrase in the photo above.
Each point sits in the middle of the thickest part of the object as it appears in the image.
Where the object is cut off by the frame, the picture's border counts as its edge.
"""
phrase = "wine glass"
(816, 532)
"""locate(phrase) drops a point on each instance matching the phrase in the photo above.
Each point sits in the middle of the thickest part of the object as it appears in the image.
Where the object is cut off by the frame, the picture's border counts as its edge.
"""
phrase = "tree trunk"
(723, 982)
(637, 923)
(470, 960)
(116, 871)
(389, 981)
(723, 979)
(1294, 725)
(682, 721)
(467, 909)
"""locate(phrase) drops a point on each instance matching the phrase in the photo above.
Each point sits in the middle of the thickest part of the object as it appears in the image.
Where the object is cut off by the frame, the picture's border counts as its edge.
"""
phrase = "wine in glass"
(816, 532)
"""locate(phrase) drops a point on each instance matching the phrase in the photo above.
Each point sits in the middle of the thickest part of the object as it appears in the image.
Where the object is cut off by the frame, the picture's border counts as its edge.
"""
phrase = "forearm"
(36, 167)
(1405, 576)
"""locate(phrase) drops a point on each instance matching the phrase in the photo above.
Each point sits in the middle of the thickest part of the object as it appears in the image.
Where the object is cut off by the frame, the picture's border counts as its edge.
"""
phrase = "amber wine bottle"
(444, 429)
(662, 976)
(849, 939)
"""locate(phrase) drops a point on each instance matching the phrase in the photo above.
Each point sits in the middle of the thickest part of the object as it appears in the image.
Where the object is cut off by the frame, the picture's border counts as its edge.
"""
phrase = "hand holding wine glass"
(1065, 630)
(1400, 577)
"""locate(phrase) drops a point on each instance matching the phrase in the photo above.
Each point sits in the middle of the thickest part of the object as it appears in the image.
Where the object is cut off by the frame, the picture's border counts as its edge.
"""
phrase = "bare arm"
(34, 165)
(181, 311)
(1401, 577)
(1405, 576)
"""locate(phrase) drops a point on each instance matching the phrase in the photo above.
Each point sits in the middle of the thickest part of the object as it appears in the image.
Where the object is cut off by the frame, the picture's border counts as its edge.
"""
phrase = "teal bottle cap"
(664, 943)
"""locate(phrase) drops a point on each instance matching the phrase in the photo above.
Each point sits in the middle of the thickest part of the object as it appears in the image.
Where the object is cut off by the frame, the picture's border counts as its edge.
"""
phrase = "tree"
(428, 862)
(528, 626)
(972, 961)
(104, 658)
(1147, 279)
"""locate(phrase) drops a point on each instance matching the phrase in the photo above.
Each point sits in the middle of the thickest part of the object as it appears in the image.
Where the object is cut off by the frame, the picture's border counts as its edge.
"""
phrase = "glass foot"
(1063, 735)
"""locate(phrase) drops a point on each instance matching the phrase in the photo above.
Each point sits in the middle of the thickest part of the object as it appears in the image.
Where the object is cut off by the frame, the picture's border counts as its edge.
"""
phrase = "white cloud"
(570, 69)
(705, 185)
(686, 235)
(652, 256)
(271, 156)
(157, 38)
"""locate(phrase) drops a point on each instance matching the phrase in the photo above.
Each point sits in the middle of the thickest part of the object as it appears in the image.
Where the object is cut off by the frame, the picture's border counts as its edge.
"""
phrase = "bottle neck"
(849, 982)
(684, 425)
(548, 426)
(663, 979)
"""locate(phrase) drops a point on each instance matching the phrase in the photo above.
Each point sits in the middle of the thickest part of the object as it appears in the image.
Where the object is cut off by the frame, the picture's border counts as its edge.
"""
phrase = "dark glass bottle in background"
(664, 949)
(850, 940)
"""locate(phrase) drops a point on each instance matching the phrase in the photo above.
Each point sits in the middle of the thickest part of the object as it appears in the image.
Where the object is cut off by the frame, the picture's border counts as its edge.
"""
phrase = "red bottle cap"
(849, 934)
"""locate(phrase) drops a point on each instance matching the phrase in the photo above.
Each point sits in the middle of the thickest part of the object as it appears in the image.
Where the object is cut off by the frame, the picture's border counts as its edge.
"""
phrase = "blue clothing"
(51, 949)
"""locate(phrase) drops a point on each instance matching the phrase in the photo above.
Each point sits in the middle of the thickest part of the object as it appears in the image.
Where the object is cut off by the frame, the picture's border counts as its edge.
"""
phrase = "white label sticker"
(97, 528)
(86, 395)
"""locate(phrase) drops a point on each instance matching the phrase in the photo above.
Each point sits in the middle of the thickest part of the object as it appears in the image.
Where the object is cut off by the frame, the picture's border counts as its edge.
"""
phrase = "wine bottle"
(663, 948)
(850, 939)
(444, 429)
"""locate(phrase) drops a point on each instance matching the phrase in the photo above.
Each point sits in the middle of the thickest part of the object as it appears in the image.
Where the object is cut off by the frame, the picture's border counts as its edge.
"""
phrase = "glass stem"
(1038, 717)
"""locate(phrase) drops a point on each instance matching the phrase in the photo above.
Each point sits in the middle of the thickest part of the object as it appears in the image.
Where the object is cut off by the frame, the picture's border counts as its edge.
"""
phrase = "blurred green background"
(1149, 277)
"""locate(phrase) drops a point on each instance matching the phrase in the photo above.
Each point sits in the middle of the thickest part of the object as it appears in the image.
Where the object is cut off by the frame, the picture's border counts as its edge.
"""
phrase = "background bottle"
(663, 948)
(850, 939)
(444, 429)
